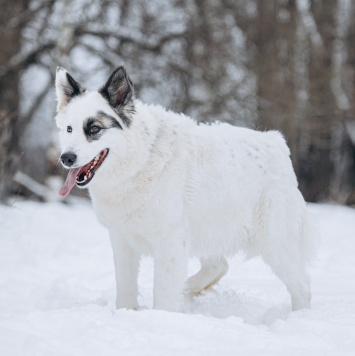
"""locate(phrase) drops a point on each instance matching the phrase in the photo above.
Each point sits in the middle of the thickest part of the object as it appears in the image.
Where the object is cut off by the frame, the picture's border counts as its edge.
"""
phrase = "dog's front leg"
(126, 261)
(170, 270)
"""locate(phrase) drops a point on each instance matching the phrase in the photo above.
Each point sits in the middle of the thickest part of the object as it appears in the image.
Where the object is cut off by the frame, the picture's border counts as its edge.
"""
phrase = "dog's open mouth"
(81, 176)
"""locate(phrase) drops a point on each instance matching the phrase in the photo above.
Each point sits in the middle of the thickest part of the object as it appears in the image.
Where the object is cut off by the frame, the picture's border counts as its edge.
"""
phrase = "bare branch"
(23, 61)
(128, 36)
(105, 57)
(37, 101)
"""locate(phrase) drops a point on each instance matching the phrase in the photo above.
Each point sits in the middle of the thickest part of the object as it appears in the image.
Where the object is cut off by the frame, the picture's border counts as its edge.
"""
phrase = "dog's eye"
(95, 129)
(69, 129)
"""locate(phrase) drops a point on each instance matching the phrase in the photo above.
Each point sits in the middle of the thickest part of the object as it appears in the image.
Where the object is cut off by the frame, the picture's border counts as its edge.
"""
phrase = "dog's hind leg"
(289, 246)
(212, 270)
(293, 273)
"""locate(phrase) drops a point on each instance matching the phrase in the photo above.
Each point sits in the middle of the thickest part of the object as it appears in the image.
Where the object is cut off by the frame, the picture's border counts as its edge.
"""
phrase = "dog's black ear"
(118, 90)
(66, 88)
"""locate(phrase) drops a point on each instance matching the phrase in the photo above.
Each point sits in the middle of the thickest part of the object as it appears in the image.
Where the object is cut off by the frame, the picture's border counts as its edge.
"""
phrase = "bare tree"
(295, 48)
(10, 36)
(276, 64)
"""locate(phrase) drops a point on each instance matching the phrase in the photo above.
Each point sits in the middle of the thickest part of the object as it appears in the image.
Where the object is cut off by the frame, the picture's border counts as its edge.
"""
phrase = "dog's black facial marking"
(119, 93)
(94, 127)
(109, 120)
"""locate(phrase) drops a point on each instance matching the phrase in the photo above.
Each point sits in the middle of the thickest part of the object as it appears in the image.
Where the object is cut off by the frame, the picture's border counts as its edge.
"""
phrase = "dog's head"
(92, 124)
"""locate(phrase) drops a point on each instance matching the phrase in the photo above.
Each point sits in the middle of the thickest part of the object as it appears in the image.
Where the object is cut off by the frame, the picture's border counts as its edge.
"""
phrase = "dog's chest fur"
(143, 205)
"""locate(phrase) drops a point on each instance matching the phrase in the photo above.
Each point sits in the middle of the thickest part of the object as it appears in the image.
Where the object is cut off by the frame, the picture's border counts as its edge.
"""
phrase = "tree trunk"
(10, 39)
(302, 103)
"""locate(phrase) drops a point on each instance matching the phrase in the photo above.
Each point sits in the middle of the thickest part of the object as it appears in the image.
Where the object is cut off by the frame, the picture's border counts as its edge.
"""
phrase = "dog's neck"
(145, 158)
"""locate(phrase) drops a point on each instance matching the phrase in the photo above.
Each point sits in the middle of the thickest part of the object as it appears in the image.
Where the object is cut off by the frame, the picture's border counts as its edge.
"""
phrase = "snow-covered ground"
(57, 295)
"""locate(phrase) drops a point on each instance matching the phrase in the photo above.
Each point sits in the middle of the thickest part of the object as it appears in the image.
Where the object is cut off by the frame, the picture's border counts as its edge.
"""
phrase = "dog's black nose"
(68, 159)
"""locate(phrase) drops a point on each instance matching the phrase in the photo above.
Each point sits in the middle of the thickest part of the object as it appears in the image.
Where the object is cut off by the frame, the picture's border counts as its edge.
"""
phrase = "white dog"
(165, 186)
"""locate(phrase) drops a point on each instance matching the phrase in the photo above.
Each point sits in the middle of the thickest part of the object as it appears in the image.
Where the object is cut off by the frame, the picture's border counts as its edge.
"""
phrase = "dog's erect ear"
(118, 90)
(66, 87)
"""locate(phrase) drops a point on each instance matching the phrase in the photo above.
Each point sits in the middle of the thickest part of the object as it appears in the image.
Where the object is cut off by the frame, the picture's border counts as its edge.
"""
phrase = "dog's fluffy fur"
(171, 188)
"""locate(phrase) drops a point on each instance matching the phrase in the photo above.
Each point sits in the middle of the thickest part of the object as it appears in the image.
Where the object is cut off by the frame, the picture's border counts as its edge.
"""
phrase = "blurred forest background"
(273, 64)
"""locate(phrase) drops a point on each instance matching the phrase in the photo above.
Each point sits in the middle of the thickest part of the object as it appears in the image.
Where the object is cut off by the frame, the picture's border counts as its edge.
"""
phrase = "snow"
(57, 295)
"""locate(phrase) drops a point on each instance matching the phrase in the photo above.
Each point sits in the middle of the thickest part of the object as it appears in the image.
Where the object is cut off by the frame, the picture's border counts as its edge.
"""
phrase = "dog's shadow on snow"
(224, 303)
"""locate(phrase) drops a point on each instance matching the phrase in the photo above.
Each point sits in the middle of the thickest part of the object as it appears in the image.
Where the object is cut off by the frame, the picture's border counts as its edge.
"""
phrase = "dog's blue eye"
(94, 129)
(69, 129)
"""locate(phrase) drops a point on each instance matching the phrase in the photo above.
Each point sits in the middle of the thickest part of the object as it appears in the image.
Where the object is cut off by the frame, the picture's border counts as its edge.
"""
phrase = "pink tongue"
(69, 182)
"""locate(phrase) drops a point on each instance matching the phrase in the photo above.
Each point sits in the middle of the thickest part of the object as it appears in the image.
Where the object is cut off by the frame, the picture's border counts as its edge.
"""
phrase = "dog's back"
(238, 191)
